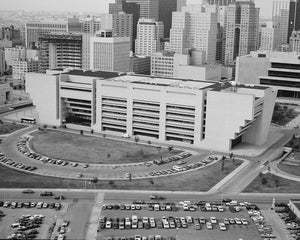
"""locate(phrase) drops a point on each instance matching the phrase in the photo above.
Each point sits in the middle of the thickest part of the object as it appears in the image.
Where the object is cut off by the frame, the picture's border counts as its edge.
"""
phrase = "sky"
(92, 5)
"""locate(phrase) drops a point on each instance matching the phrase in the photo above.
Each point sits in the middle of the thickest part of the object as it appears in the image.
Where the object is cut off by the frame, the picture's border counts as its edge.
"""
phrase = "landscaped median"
(97, 150)
(9, 127)
(269, 183)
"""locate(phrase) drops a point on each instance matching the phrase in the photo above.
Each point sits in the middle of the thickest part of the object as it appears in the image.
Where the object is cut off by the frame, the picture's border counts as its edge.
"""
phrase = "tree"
(170, 148)
(94, 180)
(264, 181)
(108, 155)
(111, 182)
(149, 142)
(1, 122)
(81, 132)
(277, 182)
(92, 131)
(136, 139)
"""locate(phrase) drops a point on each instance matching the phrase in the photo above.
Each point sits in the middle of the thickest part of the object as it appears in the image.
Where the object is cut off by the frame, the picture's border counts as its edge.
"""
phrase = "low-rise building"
(193, 113)
(140, 65)
(21, 67)
(279, 70)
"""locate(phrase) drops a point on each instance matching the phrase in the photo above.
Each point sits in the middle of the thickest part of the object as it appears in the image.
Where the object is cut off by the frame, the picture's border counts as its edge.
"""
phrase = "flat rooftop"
(96, 74)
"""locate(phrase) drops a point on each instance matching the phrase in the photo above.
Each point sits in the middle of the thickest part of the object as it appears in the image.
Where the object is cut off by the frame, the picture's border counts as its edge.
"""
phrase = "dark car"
(45, 194)
(28, 191)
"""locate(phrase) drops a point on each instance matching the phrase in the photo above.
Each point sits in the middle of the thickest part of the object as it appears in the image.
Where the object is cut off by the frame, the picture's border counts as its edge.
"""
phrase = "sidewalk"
(276, 171)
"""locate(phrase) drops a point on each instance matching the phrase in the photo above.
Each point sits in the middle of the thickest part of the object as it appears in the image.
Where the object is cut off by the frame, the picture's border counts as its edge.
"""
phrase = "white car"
(222, 226)
(209, 226)
(213, 220)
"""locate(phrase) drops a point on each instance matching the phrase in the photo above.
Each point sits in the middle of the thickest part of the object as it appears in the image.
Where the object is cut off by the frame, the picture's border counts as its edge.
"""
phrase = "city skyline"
(95, 5)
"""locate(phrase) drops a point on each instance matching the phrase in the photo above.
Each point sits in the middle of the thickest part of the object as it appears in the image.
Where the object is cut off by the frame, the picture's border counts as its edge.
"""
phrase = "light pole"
(84, 179)
(177, 229)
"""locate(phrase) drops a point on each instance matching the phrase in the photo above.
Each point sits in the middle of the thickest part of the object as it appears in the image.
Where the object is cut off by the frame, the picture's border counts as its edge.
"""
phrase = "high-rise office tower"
(269, 37)
(218, 2)
(121, 25)
(166, 7)
(2, 61)
(148, 8)
(180, 4)
(295, 41)
(91, 25)
(128, 8)
(60, 50)
(195, 27)
(109, 53)
(286, 16)
(241, 30)
(34, 28)
(149, 35)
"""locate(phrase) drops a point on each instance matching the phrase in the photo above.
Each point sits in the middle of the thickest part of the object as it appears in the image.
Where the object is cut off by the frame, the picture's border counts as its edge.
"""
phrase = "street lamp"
(177, 229)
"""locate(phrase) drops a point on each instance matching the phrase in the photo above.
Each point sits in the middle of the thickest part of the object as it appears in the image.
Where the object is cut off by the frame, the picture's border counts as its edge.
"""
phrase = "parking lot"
(175, 221)
(41, 216)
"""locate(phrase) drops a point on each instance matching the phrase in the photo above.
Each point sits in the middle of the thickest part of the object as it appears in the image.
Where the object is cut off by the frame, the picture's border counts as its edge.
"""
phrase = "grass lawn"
(8, 127)
(198, 180)
(272, 184)
(295, 170)
(80, 148)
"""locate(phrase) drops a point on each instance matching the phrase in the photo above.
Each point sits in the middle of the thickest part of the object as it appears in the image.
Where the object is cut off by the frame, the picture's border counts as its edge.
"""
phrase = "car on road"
(156, 197)
(46, 194)
(59, 197)
(28, 191)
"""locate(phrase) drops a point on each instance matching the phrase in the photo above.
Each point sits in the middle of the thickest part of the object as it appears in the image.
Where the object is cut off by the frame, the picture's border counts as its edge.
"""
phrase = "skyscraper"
(195, 27)
(269, 37)
(149, 35)
(91, 25)
(148, 8)
(121, 24)
(295, 41)
(286, 16)
(166, 7)
(218, 2)
(241, 30)
(109, 53)
(128, 8)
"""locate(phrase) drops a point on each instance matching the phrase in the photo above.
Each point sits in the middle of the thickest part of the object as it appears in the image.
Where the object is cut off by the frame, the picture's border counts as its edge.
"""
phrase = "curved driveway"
(101, 171)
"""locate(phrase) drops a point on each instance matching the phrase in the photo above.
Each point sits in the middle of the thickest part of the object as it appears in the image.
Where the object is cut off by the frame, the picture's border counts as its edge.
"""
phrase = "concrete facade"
(5, 93)
(294, 205)
(279, 70)
(109, 53)
(199, 113)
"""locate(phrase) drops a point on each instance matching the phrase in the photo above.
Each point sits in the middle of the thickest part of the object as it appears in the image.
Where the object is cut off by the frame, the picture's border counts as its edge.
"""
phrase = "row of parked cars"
(135, 222)
(140, 237)
(39, 205)
(290, 219)
(22, 147)
(26, 227)
(180, 168)
(11, 163)
(265, 230)
(179, 156)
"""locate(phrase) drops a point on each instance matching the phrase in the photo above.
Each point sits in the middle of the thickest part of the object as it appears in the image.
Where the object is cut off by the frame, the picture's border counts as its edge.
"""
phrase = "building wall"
(140, 65)
(248, 69)
(148, 9)
(2, 61)
(110, 54)
(5, 93)
(43, 89)
(12, 54)
(212, 73)
(149, 35)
